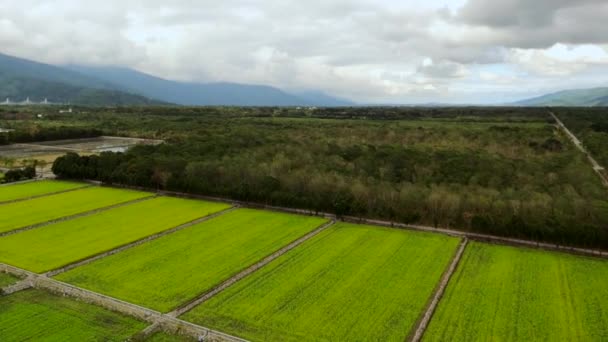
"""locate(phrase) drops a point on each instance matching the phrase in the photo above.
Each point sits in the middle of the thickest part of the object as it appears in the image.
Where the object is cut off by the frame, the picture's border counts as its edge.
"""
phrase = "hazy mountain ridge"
(206, 94)
(21, 79)
(101, 86)
(576, 97)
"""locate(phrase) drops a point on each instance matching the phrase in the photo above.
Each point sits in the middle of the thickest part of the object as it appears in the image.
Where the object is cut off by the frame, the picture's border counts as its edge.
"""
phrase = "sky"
(369, 51)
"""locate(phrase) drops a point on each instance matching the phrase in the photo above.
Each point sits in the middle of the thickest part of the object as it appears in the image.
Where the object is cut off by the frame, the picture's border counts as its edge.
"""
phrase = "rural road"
(596, 166)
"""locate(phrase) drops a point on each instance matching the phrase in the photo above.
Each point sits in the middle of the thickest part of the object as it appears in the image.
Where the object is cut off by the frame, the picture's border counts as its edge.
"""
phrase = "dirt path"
(84, 186)
(424, 321)
(166, 322)
(137, 243)
(224, 285)
(71, 217)
(596, 166)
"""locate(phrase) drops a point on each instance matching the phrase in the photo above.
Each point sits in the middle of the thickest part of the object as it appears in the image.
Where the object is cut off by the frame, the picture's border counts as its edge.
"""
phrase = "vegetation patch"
(164, 273)
(39, 210)
(515, 294)
(56, 245)
(35, 315)
(348, 283)
(6, 279)
(31, 189)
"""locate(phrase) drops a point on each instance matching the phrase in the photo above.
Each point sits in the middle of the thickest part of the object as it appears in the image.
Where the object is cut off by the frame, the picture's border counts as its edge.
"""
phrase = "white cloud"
(367, 50)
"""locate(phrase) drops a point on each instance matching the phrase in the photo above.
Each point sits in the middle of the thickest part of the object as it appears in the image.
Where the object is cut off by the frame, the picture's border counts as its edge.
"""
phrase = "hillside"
(21, 79)
(205, 94)
(578, 97)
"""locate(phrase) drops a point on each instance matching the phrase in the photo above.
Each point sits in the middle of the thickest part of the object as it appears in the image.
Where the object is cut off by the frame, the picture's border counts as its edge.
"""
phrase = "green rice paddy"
(31, 189)
(514, 294)
(58, 244)
(350, 283)
(34, 315)
(39, 210)
(172, 270)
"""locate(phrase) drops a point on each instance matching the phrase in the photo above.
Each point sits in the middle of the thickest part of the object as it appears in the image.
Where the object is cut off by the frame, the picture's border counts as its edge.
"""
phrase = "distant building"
(65, 111)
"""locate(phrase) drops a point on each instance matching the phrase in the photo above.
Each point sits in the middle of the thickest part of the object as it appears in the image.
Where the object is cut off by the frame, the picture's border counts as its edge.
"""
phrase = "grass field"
(31, 189)
(350, 283)
(6, 279)
(513, 294)
(170, 271)
(21, 214)
(55, 245)
(34, 315)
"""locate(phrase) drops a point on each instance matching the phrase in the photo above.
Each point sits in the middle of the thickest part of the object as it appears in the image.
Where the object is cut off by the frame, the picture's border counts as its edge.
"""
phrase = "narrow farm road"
(596, 166)
(438, 294)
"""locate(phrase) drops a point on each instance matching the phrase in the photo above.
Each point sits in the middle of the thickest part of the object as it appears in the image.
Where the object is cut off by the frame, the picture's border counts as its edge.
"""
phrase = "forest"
(503, 171)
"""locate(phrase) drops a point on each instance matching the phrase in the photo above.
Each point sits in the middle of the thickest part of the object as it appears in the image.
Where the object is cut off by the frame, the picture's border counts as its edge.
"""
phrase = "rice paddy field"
(34, 315)
(39, 210)
(58, 244)
(31, 189)
(513, 294)
(349, 283)
(167, 272)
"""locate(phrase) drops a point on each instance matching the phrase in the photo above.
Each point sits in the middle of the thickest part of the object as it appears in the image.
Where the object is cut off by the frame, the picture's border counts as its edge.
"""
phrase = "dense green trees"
(15, 175)
(501, 172)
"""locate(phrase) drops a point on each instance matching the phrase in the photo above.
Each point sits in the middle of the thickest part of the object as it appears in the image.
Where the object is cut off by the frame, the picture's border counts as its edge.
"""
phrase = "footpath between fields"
(157, 319)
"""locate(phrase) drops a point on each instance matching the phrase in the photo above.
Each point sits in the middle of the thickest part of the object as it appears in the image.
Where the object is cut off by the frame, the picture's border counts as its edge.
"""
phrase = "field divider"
(84, 186)
(119, 249)
(21, 285)
(21, 182)
(167, 322)
(75, 216)
(425, 319)
(248, 271)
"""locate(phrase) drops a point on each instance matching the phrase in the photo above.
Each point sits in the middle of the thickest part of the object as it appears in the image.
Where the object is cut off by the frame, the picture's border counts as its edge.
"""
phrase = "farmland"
(37, 315)
(55, 245)
(348, 283)
(22, 214)
(506, 293)
(26, 190)
(500, 171)
(189, 262)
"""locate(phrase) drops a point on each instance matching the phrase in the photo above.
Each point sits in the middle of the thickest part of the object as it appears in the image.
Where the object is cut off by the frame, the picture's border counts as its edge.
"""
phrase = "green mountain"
(574, 98)
(21, 79)
(206, 94)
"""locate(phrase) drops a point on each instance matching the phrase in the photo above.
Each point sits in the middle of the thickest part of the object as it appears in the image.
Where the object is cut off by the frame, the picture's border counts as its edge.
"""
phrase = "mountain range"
(112, 86)
(572, 98)
(99, 86)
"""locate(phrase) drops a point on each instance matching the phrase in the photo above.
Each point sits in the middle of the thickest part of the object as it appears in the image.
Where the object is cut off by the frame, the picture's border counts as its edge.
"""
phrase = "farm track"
(45, 195)
(164, 321)
(71, 217)
(425, 319)
(596, 166)
(251, 269)
(136, 243)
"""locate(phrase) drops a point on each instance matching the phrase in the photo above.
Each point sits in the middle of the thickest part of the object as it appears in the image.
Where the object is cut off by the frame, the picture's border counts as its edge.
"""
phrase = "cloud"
(366, 50)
